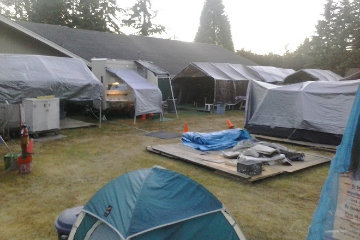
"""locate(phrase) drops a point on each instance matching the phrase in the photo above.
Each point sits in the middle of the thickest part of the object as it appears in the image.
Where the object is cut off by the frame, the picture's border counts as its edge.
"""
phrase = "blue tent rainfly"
(154, 203)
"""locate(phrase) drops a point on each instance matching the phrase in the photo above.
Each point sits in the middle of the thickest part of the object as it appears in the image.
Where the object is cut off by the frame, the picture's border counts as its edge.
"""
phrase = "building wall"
(13, 41)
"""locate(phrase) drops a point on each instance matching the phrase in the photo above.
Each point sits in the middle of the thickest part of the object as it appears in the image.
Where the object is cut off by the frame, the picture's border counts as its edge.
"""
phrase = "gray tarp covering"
(271, 74)
(152, 67)
(221, 82)
(147, 96)
(28, 76)
(315, 106)
(353, 76)
(304, 75)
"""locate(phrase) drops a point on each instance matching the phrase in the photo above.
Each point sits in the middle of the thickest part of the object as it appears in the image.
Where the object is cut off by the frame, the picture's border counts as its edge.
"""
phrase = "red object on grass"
(25, 164)
(30, 146)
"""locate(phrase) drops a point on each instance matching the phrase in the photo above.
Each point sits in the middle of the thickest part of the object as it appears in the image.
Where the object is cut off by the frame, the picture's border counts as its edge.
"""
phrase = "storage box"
(249, 167)
(10, 161)
(42, 114)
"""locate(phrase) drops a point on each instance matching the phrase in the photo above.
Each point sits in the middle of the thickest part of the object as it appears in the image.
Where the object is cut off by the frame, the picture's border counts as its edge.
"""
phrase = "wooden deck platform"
(215, 161)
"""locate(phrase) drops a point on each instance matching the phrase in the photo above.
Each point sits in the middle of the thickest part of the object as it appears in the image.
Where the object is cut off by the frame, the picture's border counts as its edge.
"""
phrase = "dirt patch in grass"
(69, 171)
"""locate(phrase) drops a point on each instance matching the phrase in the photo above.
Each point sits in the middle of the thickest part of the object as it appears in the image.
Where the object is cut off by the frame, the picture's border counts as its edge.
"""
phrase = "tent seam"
(137, 200)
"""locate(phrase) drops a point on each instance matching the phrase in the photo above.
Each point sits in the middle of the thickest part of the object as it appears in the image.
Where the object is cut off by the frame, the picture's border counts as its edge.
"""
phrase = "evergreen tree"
(100, 15)
(214, 25)
(140, 18)
(14, 9)
(47, 11)
(355, 24)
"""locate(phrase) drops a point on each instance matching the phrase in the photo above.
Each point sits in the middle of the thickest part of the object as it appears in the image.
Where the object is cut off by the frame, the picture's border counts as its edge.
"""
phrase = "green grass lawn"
(67, 172)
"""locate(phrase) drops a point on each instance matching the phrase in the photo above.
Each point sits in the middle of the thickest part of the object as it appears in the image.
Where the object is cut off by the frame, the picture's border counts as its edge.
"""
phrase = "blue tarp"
(214, 140)
(322, 225)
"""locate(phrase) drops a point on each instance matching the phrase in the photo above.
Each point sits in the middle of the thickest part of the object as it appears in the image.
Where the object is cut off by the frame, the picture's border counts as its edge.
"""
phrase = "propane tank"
(24, 140)
(25, 159)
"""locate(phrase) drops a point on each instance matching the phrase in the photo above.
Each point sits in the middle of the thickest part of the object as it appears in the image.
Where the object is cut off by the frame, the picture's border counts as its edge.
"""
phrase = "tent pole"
(173, 98)
(214, 91)
(134, 119)
(100, 117)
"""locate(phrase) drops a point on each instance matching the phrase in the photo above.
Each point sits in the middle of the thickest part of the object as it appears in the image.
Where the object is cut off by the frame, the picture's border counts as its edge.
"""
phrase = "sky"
(261, 26)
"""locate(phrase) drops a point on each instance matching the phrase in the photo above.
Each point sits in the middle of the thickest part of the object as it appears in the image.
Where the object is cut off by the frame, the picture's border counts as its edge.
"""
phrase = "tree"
(14, 9)
(100, 15)
(140, 18)
(355, 24)
(214, 25)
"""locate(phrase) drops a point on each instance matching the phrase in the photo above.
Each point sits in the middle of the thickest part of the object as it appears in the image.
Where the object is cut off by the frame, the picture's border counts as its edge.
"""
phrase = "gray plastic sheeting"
(147, 96)
(29, 76)
(318, 106)
(271, 74)
(304, 75)
(229, 81)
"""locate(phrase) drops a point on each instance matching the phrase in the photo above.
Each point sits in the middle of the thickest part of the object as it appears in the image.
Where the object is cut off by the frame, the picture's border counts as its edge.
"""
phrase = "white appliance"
(42, 114)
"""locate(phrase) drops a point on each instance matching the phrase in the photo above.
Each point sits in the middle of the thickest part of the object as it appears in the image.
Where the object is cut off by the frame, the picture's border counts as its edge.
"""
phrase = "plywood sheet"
(214, 160)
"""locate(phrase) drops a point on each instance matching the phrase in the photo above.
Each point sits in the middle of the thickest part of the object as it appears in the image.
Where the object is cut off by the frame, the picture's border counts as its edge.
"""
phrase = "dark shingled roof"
(171, 55)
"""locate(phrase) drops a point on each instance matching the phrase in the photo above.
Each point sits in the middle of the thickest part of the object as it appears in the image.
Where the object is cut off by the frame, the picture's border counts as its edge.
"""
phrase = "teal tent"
(154, 204)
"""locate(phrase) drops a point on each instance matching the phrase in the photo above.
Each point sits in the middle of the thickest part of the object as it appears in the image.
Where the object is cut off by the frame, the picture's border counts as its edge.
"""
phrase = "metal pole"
(100, 115)
(5, 144)
(173, 98)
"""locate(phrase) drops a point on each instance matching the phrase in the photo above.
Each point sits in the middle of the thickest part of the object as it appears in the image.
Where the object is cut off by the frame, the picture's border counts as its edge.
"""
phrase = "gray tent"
(308, 111)
(147, 96)
(220, 82)
(271, 74)
(304, 75)
(29, 76)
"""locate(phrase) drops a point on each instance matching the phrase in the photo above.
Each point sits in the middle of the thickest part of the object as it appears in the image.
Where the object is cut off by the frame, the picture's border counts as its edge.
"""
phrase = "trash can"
(65, 221)
(171, 103)
(220, 108)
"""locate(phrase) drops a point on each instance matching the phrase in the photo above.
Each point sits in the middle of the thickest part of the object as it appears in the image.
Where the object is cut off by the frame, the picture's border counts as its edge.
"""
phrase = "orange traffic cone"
(229, 124)
(186, 129)
(143, 117)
